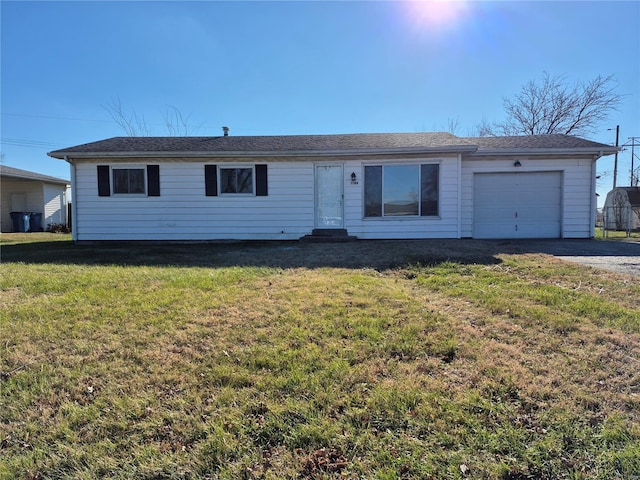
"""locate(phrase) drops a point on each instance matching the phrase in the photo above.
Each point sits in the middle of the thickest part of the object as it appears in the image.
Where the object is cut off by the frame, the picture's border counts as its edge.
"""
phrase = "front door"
(329, 196)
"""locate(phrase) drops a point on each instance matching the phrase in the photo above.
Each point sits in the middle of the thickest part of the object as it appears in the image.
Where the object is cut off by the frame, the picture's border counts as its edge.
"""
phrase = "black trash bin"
(21, 221)
(35, 222)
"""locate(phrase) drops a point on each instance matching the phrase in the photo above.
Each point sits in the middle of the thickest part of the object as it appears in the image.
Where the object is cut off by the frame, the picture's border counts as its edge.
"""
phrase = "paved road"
(621, 257)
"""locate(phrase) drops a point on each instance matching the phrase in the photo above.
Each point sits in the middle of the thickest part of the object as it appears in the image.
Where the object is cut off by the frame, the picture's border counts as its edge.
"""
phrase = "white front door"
(329, 196)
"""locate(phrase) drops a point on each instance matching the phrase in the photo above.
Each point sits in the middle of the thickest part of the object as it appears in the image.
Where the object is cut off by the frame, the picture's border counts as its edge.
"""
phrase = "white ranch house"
(369, 186)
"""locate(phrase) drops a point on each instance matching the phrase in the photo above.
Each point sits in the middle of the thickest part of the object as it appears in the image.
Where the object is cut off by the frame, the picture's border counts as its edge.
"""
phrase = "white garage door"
(517, 205)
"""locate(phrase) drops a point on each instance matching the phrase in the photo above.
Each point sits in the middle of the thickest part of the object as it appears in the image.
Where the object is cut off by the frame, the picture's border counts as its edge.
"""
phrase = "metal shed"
(622, 209)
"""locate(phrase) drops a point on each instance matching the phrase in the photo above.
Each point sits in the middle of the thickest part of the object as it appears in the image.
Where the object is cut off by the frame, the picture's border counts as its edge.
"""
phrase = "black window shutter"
(211, 180)
(261, 181)
(153, 180)
(104, 188)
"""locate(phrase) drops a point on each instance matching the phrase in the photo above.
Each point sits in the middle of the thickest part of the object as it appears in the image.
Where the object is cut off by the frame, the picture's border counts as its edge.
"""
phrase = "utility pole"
(633, 144)
(615, 161)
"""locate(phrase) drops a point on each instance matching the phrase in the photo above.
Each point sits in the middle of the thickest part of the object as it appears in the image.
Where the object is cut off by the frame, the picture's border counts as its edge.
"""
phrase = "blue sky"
(270, 68)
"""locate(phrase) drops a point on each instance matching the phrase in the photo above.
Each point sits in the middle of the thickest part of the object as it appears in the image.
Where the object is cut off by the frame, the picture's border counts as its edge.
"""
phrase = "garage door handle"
(516, 214)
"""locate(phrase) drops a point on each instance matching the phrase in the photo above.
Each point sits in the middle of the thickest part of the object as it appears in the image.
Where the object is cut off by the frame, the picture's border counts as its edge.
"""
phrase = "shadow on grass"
(578, 247)
(375, 254)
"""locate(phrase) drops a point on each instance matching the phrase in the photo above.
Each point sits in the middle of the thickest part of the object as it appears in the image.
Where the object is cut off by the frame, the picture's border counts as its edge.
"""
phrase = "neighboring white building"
(371, 186)
(23, 191)
(621, 209)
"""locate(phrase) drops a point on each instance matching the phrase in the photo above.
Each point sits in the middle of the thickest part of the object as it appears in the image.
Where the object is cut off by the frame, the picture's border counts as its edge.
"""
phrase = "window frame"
(250, 167)
(381, 188)
(145, 180)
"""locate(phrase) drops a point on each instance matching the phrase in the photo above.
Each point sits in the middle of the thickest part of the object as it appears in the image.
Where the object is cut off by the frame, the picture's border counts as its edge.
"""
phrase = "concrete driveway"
(620, 256)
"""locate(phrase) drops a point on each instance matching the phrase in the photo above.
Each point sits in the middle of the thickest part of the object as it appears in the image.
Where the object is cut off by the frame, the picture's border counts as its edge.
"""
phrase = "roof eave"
(62, 155)
(546, 151)
(35, 179)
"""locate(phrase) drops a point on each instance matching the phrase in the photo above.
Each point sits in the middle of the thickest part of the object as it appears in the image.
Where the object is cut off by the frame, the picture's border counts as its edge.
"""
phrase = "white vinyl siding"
(576, 189)
(55, 205)
(184, 212)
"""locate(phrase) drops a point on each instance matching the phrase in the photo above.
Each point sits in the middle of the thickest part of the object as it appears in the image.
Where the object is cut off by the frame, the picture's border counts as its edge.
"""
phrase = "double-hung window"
(250, 180)
(401, 190)
(136, 180)
(128, 180)
(236, 180)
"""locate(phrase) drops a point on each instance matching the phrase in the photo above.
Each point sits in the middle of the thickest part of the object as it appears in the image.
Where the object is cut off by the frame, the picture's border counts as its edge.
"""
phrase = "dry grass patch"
(217, 362)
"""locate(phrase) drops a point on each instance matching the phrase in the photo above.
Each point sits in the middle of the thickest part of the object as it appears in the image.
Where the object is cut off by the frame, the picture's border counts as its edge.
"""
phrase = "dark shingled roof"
(634, 195)
(26, 175)
(319, 144)
(270, 144)
(533, 141)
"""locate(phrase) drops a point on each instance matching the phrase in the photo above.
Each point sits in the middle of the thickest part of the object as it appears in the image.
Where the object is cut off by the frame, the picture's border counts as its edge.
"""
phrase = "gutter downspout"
(594, 198)
(459, 233)
(74, 201)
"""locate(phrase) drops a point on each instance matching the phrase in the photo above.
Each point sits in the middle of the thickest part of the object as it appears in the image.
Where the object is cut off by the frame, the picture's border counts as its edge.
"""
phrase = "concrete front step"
(329, 235)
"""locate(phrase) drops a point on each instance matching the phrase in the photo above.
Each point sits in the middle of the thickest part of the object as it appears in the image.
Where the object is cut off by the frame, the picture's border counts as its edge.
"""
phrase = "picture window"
(401, 190)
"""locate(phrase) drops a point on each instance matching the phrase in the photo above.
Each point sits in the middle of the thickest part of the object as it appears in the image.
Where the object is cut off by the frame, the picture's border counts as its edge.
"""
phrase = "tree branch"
(551, 106)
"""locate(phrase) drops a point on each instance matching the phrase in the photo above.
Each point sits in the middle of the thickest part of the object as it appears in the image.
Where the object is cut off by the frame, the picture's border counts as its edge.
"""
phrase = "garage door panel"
(491, 214)
(500, 197)
(545, 211)
(538, 230)
(517, 205)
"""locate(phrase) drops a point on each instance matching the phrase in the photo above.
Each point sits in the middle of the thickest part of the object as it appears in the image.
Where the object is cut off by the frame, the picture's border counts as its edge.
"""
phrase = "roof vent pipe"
(225, 131)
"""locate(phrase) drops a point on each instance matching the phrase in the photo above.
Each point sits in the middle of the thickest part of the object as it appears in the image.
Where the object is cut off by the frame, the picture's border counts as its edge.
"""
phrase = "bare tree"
(177, 124)
(484, 129)
(453, 125)
(132, 124)
(135, 125)
(553, 106)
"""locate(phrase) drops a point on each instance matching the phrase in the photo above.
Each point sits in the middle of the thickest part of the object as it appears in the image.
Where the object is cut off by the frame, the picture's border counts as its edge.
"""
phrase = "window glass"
(429, 189)
(401, 190)
(236, 180)
(128, 180)
(373, 191)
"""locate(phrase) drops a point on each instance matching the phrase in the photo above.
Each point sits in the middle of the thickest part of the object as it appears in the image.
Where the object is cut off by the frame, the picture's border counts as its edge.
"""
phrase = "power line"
(18, 142)
(54, 117)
